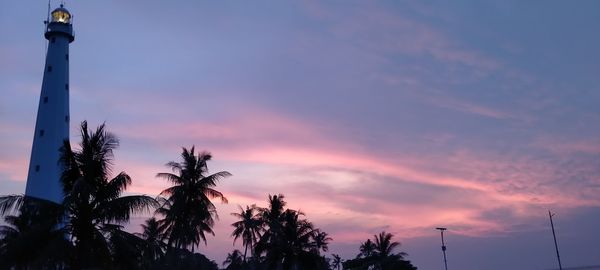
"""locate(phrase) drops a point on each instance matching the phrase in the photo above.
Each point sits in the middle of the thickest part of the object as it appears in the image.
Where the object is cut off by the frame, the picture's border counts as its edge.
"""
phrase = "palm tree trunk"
(245, 251)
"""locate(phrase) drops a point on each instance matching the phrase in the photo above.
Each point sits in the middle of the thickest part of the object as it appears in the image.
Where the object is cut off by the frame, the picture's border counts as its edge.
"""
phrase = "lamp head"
(61, 15)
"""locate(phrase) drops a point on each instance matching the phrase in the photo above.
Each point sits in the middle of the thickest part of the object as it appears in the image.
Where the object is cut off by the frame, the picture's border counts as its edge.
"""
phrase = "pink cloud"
(15, 168)
(270, 153)
(463, 106)
(566, 146)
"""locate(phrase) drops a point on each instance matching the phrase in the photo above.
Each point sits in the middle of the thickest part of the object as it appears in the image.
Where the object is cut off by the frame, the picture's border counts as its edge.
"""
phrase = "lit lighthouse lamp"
(61, 15)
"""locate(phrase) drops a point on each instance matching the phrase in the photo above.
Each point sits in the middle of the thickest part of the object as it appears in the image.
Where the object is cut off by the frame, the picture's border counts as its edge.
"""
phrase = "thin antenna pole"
(46, 25)
(555, 243)
(48, 14)
(443, 246)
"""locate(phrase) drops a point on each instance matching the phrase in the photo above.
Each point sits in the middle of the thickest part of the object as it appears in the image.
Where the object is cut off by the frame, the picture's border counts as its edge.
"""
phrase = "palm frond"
(170, 191)
(120, 209)
(115, 186)
(170, 177)
(10, 203)
(96, 151)
(175, 167)
(204, 156)
(212, 179)
(211, 193)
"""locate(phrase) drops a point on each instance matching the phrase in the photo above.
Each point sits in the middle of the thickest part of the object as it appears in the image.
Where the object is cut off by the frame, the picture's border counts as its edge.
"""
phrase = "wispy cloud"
(327, 174)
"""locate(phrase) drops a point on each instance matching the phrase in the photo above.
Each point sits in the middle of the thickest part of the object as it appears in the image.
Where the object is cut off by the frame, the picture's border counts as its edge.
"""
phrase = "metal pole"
(443, 246)
(555, 244)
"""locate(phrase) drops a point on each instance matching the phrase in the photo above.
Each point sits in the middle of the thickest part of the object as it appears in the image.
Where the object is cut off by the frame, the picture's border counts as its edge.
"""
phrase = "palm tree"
(272, 231)
(287, 238)
(384, 246)
(153, 242)
(384, 257)
(248, 227)
(293, 244)
(188, 212)
(272, 214)
(378, 254)
(299, 243)
(367, 249)
(95, 210)
(321, 241)
(272, 217)
(337, 261)
(234, 260)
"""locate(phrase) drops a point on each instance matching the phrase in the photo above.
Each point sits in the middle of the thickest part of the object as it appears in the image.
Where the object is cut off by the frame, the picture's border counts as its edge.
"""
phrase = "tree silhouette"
(321, 241)
(367, 249)
(378, 254)
(183, 259)
(154, 247)
(288, 240)
(188, 212)
(93, 204)
(248, 227)
(234, 260)
(272, 215)
(384, 246)
(336, 262)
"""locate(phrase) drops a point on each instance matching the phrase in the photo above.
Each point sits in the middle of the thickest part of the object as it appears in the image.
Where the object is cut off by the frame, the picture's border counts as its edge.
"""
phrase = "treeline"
(86, 230)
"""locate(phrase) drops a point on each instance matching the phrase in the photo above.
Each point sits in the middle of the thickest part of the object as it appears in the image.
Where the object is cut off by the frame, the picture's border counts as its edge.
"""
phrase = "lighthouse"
(52, 122)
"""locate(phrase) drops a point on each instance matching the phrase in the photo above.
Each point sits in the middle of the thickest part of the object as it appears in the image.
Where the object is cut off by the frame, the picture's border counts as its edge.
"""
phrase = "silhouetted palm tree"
(272, 214)
(297, 232)
(188, 212)
(234, 260)
(378, 255)
(248, 227)
(295, 241)
(367, 249)
(336, 262)
(384, 246)
(93, 204)
(272, 219)
(153, 242)
(288, 240)
(321, 241)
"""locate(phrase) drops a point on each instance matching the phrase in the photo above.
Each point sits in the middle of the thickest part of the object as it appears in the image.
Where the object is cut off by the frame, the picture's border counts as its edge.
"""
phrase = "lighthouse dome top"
(61, 15)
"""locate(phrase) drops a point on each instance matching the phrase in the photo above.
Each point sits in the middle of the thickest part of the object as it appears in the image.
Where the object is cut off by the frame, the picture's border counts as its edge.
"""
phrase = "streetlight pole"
(444, 246)
(550, 214)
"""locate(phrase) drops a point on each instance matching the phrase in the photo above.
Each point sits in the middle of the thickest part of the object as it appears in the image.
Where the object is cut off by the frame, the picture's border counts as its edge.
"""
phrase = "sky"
(479, 116)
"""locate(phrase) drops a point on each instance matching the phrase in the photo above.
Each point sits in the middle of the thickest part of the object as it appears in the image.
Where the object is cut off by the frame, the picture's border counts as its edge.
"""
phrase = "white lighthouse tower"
(52, 123)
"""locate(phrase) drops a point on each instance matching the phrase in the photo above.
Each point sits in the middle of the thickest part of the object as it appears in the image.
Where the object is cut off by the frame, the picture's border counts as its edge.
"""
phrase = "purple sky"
(367, 115)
